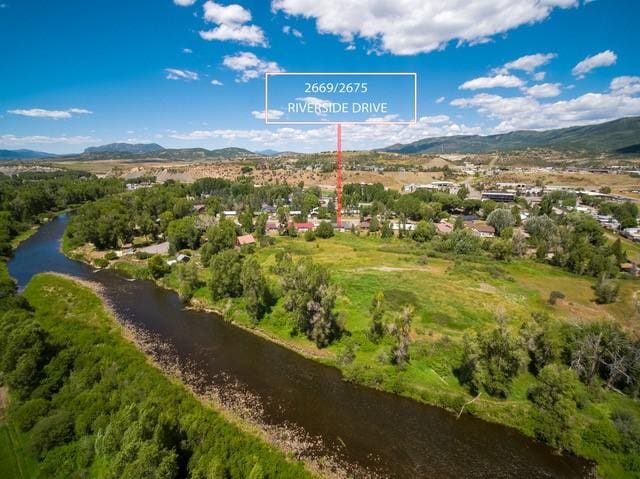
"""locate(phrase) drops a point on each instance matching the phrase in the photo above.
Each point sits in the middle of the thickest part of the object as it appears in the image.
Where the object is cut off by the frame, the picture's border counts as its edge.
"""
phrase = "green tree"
(606, 290)
(387, 230)
(490, 361)
(219, 238)
(500, 219)
(183, 233)
(311, 298)
(377, 326)
(425, 231)
(254, 288)
(225, 268)
(324, 230)
(401, 330)
(261, 226)
(158, 267)
(188, 281)
(555, 400)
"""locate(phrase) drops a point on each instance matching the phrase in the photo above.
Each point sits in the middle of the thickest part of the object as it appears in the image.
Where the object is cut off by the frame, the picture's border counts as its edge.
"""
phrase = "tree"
(254, 288)
(311, 298)
(500, 219)
(261, 226)
(555, 400)
(606, 290)
(158, 267)
(425, 231)
(324, 230)
(501, 249)
(376, 326)
(219, 238)
(386, 231)
(542, 341)
(463, 192)
(490, 361)
(246, 221)
(183, 233)
(401, 329)
(188, 281)
(226, 267)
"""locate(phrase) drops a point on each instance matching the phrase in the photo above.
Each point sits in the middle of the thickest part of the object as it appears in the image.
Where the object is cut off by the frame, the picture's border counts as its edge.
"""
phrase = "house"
(444, 228)
(303, 227)
(183, 258)
(228, 213)
(630, 268)
(245, 240)
(482, 230)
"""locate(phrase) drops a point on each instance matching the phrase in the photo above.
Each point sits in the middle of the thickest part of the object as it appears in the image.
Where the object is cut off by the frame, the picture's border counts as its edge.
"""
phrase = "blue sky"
(187, 73)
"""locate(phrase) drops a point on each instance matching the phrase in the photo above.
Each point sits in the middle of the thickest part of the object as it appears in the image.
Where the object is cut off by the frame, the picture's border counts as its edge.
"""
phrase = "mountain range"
(617, 136)
(23, 154)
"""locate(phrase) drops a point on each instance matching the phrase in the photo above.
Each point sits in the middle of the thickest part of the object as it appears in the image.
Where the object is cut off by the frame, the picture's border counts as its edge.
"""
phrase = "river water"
(369, 430)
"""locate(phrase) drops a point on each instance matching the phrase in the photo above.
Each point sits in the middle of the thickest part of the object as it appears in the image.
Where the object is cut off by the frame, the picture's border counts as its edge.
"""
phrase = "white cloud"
(539, 76)
(357, 136)
(544, 90)
(350, 47)
(273, 114)
(51, 114)
(176, 74)
(184, 3)
(225, 15)
(13, 140)
(287, 30)
(249, 66)
(530, 63)
(251, 35)
(187, 50)
(602, 59)
(216, 83)
(408, 27)
(231, 20)
(440, 99)
(522, 112)
(625, 85)
(497, 81)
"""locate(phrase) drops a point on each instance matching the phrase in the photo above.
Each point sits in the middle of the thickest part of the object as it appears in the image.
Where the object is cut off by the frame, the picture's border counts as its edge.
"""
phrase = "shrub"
(101, 262)
(324, 230)
(110, 256)
(158, 267)
(29, 413)
(309, 235)
(606, 290)
(52, 431)
(143, 255)
(554, 296)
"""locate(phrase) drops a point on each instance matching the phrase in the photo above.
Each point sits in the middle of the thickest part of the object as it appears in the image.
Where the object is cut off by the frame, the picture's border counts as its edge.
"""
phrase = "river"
(367, 429)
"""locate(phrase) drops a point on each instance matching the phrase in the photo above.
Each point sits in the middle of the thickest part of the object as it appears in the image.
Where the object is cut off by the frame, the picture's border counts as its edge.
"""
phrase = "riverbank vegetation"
(84, 402)
(536, 328)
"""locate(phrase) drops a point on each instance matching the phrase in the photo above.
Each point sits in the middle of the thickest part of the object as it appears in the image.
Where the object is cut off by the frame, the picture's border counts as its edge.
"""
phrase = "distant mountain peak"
(131, 148)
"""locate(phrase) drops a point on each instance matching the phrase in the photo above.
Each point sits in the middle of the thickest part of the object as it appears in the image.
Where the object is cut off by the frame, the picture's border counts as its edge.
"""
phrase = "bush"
(143, 255)
(29, 413)
(110, 256)
(324, 230)
(52, 431)
(309, 235)
(101, 262)
(606, 290)
(554, 296)
(158, 267)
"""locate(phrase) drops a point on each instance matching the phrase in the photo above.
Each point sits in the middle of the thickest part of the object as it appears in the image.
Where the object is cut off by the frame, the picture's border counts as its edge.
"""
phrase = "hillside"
(604, 137)
(23, 154)
(124, 151)
(130, 148)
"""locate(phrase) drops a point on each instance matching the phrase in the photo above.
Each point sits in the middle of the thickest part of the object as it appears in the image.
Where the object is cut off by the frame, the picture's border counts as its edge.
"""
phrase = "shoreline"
(484, 413)
(230, 405)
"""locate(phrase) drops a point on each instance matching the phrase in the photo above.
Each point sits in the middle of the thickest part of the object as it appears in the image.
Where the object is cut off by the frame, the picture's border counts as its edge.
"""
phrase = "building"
(245, 240)
(183, 258)
(444, 228)
(500, 196)
(303, 227)
(481, 230)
